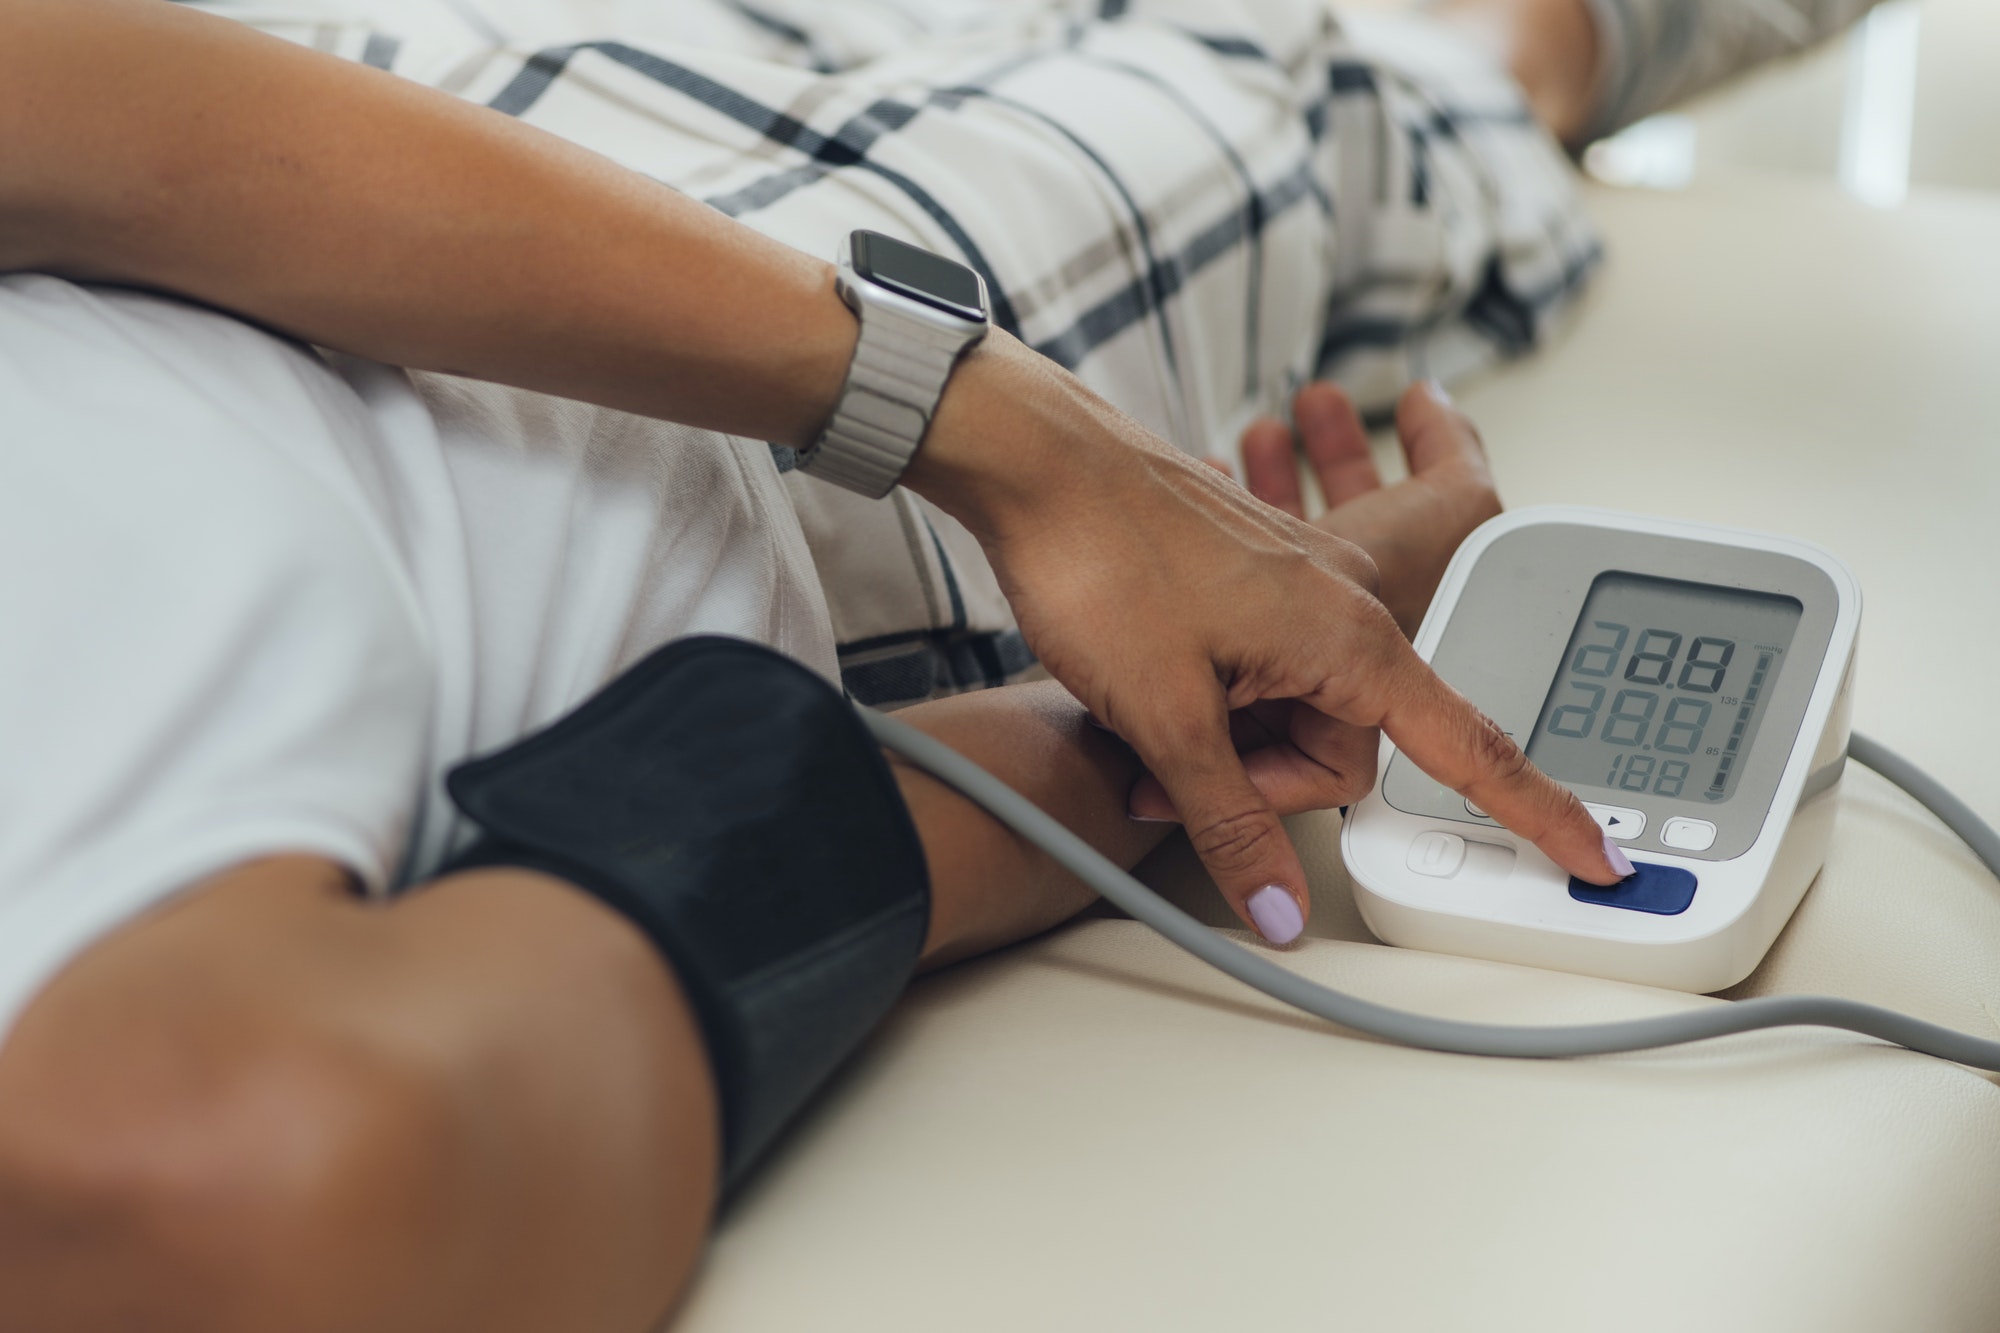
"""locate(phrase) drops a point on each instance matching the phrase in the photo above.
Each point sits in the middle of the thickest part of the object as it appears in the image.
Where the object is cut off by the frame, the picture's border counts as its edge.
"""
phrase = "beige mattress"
(1094, 1132)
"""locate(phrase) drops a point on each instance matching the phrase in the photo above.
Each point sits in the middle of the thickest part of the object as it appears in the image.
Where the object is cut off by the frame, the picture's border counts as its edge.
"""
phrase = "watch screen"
(1663, 687)
(932, 279)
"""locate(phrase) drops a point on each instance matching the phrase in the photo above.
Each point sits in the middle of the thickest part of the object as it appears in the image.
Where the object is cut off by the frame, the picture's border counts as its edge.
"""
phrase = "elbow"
(294, 1186)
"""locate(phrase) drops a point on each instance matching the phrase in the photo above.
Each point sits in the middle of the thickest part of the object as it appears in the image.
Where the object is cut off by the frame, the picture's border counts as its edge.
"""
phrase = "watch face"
(936, 281)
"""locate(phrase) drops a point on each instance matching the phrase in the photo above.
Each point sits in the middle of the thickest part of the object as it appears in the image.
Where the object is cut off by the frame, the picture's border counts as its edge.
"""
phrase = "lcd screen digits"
(1663, 687)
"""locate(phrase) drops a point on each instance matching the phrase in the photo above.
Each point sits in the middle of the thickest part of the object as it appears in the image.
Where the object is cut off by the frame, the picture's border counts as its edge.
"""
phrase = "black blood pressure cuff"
(730, 803)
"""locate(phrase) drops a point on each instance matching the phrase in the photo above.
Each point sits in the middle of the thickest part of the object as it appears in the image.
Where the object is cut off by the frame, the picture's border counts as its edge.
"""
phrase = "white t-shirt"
(258, 600)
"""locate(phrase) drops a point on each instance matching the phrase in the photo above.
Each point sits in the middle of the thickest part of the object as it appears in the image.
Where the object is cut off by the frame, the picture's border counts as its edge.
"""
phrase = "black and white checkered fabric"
(1193, 204)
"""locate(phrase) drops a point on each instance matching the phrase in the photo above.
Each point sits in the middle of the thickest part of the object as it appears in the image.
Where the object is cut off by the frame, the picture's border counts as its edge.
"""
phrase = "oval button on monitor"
(1690, 835)
(1437, 854)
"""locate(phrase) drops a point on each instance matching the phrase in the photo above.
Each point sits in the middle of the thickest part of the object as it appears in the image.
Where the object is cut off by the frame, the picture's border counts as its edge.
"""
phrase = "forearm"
(989, 886)
(167, 148)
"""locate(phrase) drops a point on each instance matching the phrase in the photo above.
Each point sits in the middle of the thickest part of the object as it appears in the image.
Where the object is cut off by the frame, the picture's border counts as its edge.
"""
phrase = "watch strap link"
(898, 372)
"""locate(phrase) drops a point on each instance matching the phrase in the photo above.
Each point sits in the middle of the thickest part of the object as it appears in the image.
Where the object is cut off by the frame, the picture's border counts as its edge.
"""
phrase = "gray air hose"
(1439, 1034)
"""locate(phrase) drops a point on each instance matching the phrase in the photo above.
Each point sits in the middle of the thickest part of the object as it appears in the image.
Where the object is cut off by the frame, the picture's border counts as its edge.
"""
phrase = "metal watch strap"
(875, 430)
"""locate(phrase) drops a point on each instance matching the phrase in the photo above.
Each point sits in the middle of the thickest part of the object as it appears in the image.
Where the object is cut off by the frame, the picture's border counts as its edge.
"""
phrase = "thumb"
(1233, 828)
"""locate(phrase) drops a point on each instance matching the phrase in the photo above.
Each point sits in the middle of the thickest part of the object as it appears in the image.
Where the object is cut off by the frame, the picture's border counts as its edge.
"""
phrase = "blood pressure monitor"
(1690, 683)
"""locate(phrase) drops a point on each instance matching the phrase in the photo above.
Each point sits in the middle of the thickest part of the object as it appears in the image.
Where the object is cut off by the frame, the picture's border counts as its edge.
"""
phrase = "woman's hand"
(1169, 600)
(156, 145)
(1410, 530)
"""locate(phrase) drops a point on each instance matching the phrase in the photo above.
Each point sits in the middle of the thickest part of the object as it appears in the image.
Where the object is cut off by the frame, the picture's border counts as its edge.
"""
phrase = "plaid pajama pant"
(1195, 205)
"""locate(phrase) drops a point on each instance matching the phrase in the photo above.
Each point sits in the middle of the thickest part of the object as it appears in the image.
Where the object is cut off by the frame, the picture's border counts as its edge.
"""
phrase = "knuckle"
(1360, 774)
(1565, 811)
(1367, 573)
(1486, 500)
(1361, 568)
(1352, 785)
(1495, 753)
(1569, 809)
(1324, 557)
(1351, 765)
(1372, 669)
(1179, 731)
(1384, 647)
(1341, 754)
(1235, 843)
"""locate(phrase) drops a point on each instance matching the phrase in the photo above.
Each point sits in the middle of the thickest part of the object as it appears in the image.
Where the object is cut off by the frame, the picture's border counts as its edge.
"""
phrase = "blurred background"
(1796, 330)
(1911, 98)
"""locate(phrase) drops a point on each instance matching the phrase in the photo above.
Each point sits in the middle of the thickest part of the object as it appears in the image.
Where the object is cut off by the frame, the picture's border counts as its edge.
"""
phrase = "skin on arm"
(156, 145)
(486, 1106)
(990, 886)
(275, 1105)
(1410, 529)
(483, 1108)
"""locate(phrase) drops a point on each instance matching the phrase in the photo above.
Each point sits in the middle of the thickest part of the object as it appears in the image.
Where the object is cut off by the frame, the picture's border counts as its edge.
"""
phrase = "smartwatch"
(919, 313)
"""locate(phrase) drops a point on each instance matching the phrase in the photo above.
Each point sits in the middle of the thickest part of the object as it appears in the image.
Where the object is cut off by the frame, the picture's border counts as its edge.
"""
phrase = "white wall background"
(1912, 99)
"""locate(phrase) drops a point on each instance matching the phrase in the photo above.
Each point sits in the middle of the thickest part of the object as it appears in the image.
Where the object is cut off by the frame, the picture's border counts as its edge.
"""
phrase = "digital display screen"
(1663, 687)
(930, 278)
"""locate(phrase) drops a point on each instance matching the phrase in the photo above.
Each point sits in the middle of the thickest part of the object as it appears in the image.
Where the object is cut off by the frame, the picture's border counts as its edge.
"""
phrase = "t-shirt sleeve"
(205, 654)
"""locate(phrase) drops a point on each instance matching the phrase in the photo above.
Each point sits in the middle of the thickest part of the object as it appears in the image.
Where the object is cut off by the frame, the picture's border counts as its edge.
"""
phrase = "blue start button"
(1661, 890)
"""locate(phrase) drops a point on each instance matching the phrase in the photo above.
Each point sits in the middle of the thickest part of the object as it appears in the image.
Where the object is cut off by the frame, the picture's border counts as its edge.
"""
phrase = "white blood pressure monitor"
(1690, 683)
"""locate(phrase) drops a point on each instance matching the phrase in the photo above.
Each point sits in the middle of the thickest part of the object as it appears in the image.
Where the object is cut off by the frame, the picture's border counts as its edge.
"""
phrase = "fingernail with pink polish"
(1616, 856)
(1435, 388)
(1276, 914)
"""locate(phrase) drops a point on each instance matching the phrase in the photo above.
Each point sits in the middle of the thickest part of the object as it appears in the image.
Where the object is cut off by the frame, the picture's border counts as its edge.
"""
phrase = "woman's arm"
(149, 144)
(487, 1106)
